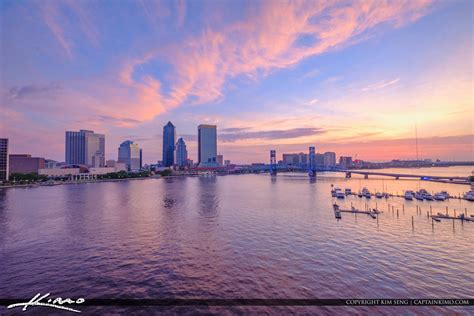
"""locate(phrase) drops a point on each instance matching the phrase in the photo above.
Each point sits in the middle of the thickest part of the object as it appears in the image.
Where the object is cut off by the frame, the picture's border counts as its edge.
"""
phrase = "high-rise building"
(207, 145)
(181, 153)
(85, 148)
(4, 159)
(141, 159)
(169, 140)
(300, 159)
(319, 159)
(329, 159)
(220, 160)
(345, 162)
(129, 153)
(24, 163)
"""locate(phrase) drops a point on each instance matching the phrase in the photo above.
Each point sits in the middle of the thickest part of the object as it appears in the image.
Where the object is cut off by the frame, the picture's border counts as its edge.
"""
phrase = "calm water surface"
(239, 236)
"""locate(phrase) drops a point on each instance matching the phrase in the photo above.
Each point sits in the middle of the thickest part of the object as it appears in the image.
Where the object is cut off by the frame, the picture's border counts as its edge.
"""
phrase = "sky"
(360, 78)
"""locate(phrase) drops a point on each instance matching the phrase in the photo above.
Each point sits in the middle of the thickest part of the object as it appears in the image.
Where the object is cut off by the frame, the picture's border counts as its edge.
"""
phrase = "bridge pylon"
(312, 162)
(273, 165)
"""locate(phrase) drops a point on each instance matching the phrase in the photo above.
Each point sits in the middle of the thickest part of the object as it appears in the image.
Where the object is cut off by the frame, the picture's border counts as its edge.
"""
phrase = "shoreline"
(44, 184)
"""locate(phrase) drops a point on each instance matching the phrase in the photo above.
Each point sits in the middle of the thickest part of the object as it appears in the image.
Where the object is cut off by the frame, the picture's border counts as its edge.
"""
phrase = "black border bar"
(261, 302)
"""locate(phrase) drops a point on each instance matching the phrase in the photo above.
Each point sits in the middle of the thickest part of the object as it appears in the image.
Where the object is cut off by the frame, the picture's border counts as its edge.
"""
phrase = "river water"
(235, 236)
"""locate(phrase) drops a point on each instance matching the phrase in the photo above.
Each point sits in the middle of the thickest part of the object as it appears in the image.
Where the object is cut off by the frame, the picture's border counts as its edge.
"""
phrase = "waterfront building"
(207, 145)
(299, 159)
(50, 164)
(169, 140)
(110, 163)
(190, 163)
(319, 158)
(85, 148)
(329, 159)
(4, 161)
(181, 153)
(345, 162)
(59, 172)
(24, 163)
(129, 153)
(220, 160)
(226, 162)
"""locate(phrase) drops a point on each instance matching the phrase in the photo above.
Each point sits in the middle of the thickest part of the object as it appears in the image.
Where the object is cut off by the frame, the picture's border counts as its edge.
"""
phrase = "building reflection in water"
(208, 200)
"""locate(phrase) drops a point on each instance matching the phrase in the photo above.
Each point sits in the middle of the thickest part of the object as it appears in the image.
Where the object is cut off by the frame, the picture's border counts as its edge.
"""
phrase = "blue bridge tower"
(312, 162)
(273, 165)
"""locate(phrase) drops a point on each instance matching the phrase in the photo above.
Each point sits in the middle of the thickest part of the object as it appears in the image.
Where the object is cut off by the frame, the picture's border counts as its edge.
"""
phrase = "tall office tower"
(181, 153)
(141, 159)
(220, 160)
(169, 140)
(129, 153)
(85, 148)
(329, 159)
(4, 159)
(207, 146)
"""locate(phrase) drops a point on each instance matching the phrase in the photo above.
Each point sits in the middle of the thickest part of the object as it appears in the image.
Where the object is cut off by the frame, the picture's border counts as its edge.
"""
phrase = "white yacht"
(366, 193)
(439, 197)
(469, 196)
(409, 195)
(339, 193)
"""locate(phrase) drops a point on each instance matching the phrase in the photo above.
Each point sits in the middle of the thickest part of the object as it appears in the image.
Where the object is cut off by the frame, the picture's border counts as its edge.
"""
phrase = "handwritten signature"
(58, 302)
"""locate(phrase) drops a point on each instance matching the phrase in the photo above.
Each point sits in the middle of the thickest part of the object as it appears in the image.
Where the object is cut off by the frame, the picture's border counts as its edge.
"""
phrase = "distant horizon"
(349, 78)
(110, 156)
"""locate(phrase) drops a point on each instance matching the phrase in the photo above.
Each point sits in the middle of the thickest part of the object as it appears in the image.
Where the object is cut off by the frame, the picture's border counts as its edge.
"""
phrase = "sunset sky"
(354, 77)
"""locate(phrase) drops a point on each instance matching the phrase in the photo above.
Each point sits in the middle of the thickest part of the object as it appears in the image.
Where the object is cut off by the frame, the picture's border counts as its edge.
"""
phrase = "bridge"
(398, 175)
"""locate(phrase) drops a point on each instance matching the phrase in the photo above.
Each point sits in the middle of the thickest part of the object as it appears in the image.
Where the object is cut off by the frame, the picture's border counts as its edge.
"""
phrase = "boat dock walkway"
(353, 210)
(461, 217)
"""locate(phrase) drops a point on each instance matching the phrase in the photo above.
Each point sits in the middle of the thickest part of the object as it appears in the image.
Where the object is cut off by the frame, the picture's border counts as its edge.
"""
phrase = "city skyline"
(347, 78)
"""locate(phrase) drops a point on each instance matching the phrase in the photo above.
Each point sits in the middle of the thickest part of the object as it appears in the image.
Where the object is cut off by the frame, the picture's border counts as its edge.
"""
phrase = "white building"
(329, 159)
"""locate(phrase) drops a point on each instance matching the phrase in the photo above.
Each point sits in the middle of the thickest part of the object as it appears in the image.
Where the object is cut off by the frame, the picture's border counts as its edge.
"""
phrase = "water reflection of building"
(208, 199)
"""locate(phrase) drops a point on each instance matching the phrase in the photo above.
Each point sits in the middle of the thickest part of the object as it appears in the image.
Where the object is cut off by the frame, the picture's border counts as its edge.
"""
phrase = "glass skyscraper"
(85, 148)
(181, 153)
(169, 140)
(129, 153)
(207, 146)
(4, 159)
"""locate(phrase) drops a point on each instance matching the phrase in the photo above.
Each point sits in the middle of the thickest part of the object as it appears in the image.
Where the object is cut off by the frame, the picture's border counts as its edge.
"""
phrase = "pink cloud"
(265, 41)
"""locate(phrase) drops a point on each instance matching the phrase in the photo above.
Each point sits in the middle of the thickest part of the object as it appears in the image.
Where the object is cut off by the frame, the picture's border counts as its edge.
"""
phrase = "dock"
(461, 217)
(353, 210)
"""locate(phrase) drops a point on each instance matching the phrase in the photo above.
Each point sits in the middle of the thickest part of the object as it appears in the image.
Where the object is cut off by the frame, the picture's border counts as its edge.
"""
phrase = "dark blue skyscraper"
(169, 140)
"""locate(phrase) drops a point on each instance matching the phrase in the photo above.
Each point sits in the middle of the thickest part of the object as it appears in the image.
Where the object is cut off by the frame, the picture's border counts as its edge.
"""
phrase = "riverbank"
(54, 183)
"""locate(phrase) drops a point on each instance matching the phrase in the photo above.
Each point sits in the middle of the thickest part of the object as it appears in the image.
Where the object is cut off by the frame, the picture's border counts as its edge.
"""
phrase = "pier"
(353, 210)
